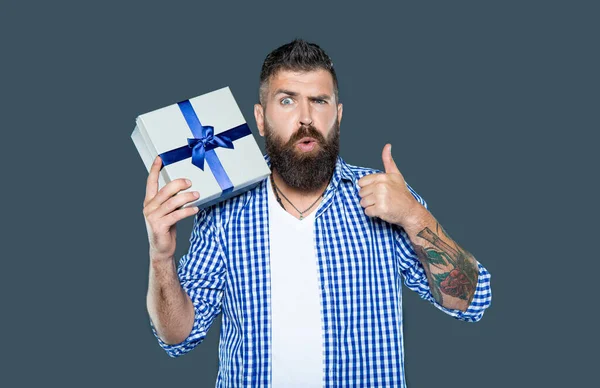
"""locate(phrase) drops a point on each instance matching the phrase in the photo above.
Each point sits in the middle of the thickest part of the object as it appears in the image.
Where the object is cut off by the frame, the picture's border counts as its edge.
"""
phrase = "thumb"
(388, 161)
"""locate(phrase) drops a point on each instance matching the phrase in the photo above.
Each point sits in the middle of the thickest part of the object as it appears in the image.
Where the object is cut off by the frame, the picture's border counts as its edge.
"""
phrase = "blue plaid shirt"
(361, 261)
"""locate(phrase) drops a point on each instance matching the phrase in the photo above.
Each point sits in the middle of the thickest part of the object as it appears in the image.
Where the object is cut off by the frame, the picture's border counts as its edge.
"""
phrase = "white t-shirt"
(297, 335)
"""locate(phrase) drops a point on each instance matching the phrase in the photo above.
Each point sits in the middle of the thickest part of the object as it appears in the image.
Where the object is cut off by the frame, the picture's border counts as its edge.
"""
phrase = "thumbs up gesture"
(385, 195)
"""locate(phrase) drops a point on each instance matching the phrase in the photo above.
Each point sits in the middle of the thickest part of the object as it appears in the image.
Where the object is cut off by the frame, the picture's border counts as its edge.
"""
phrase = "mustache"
(307, 131)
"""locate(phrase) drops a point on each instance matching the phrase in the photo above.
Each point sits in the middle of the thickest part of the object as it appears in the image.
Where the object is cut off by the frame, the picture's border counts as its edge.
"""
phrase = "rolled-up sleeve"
(415, 277)
(201, 273)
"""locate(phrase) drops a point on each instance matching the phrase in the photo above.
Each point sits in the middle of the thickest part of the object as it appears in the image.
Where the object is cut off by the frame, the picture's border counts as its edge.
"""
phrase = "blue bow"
(210, 141)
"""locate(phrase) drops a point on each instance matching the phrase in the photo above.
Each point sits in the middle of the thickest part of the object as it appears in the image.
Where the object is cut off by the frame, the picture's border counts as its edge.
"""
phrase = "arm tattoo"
(456, 273)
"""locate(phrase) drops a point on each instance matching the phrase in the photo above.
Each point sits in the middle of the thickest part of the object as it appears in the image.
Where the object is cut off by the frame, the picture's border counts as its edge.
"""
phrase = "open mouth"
(306, 144)
(306, 140)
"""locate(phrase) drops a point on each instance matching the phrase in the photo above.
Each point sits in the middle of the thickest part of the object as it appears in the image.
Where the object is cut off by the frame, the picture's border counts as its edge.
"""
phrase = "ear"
(260, 118)
(339, 112)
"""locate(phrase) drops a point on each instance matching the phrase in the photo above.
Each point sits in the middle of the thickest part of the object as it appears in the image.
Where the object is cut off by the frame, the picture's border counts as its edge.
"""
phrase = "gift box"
(206, 140)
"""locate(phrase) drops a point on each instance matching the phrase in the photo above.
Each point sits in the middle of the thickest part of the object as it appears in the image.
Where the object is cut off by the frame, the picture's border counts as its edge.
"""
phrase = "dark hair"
(298, 55)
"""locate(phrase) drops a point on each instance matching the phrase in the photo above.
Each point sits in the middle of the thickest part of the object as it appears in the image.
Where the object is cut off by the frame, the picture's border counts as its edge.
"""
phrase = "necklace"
(281, 203)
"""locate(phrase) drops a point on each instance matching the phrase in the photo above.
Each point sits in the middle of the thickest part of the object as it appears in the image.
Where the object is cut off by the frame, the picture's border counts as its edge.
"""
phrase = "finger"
(367, 201)
(166, 193)
(152, 182)
(376, 187)
(371, 211)
(175, 203)
(180, 214)
(367, 190)
(388, 161)
(371, 178)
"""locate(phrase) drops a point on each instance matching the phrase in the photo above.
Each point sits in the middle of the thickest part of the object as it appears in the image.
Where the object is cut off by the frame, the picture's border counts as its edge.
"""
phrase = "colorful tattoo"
(458, 276)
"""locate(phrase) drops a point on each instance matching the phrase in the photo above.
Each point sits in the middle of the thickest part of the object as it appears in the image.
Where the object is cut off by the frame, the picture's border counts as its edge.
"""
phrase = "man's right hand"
(161, 212)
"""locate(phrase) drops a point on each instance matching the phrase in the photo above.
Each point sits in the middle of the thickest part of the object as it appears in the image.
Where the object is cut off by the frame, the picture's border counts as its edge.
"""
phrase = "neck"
(300, 199)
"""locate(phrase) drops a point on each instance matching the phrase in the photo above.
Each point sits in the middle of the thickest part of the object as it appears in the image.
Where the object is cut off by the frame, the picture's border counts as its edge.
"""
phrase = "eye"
(321, 102)
(287, 98)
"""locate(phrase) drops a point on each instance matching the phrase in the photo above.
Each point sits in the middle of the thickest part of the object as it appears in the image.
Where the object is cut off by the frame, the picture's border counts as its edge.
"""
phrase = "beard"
(304, 171)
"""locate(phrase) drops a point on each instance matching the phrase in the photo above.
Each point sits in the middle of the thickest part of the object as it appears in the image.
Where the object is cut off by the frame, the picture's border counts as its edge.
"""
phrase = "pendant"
(301, 217)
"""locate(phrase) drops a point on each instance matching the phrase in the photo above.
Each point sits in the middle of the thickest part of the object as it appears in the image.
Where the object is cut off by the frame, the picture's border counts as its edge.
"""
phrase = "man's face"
(301, 125)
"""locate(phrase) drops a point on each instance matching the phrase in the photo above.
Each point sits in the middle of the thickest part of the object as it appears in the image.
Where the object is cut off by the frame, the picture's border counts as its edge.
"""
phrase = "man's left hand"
(385, 195)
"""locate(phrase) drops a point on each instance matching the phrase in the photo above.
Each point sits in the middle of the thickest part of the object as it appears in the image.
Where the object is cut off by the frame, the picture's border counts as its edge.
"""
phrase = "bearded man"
(307, 267)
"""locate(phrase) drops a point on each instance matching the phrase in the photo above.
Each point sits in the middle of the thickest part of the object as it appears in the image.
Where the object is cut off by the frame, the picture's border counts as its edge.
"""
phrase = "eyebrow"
(294, 94)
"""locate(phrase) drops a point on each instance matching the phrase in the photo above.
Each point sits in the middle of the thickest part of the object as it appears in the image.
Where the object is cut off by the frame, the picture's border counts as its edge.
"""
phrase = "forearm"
(169, 306)
(451, 271)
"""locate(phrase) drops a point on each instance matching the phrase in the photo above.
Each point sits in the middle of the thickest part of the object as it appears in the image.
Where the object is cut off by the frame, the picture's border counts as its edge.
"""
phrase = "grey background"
(492, 110)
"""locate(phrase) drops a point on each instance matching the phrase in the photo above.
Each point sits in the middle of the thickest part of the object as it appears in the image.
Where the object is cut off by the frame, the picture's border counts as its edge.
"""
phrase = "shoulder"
(357, 172)
(253, 200)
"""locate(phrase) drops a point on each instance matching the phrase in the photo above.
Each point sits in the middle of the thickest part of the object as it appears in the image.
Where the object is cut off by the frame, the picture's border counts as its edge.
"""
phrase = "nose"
(305, 114)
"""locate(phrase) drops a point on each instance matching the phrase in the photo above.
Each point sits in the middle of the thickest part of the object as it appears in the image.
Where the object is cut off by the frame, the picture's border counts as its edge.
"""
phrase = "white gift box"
(227, 172)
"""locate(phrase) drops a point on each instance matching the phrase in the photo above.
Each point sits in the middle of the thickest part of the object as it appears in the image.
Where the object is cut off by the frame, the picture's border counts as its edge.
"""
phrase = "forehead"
(310, 83)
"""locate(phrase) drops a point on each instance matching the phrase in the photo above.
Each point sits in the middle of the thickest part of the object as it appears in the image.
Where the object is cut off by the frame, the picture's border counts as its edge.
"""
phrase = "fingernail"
(196, 194)
(189, 182)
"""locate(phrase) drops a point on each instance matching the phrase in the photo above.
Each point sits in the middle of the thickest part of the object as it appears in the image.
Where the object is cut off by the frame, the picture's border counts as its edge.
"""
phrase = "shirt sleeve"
(415, 277)
(201, 273)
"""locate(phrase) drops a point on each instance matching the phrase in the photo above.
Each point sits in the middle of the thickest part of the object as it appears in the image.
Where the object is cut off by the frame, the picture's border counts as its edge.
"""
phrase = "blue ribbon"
(201, 146)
